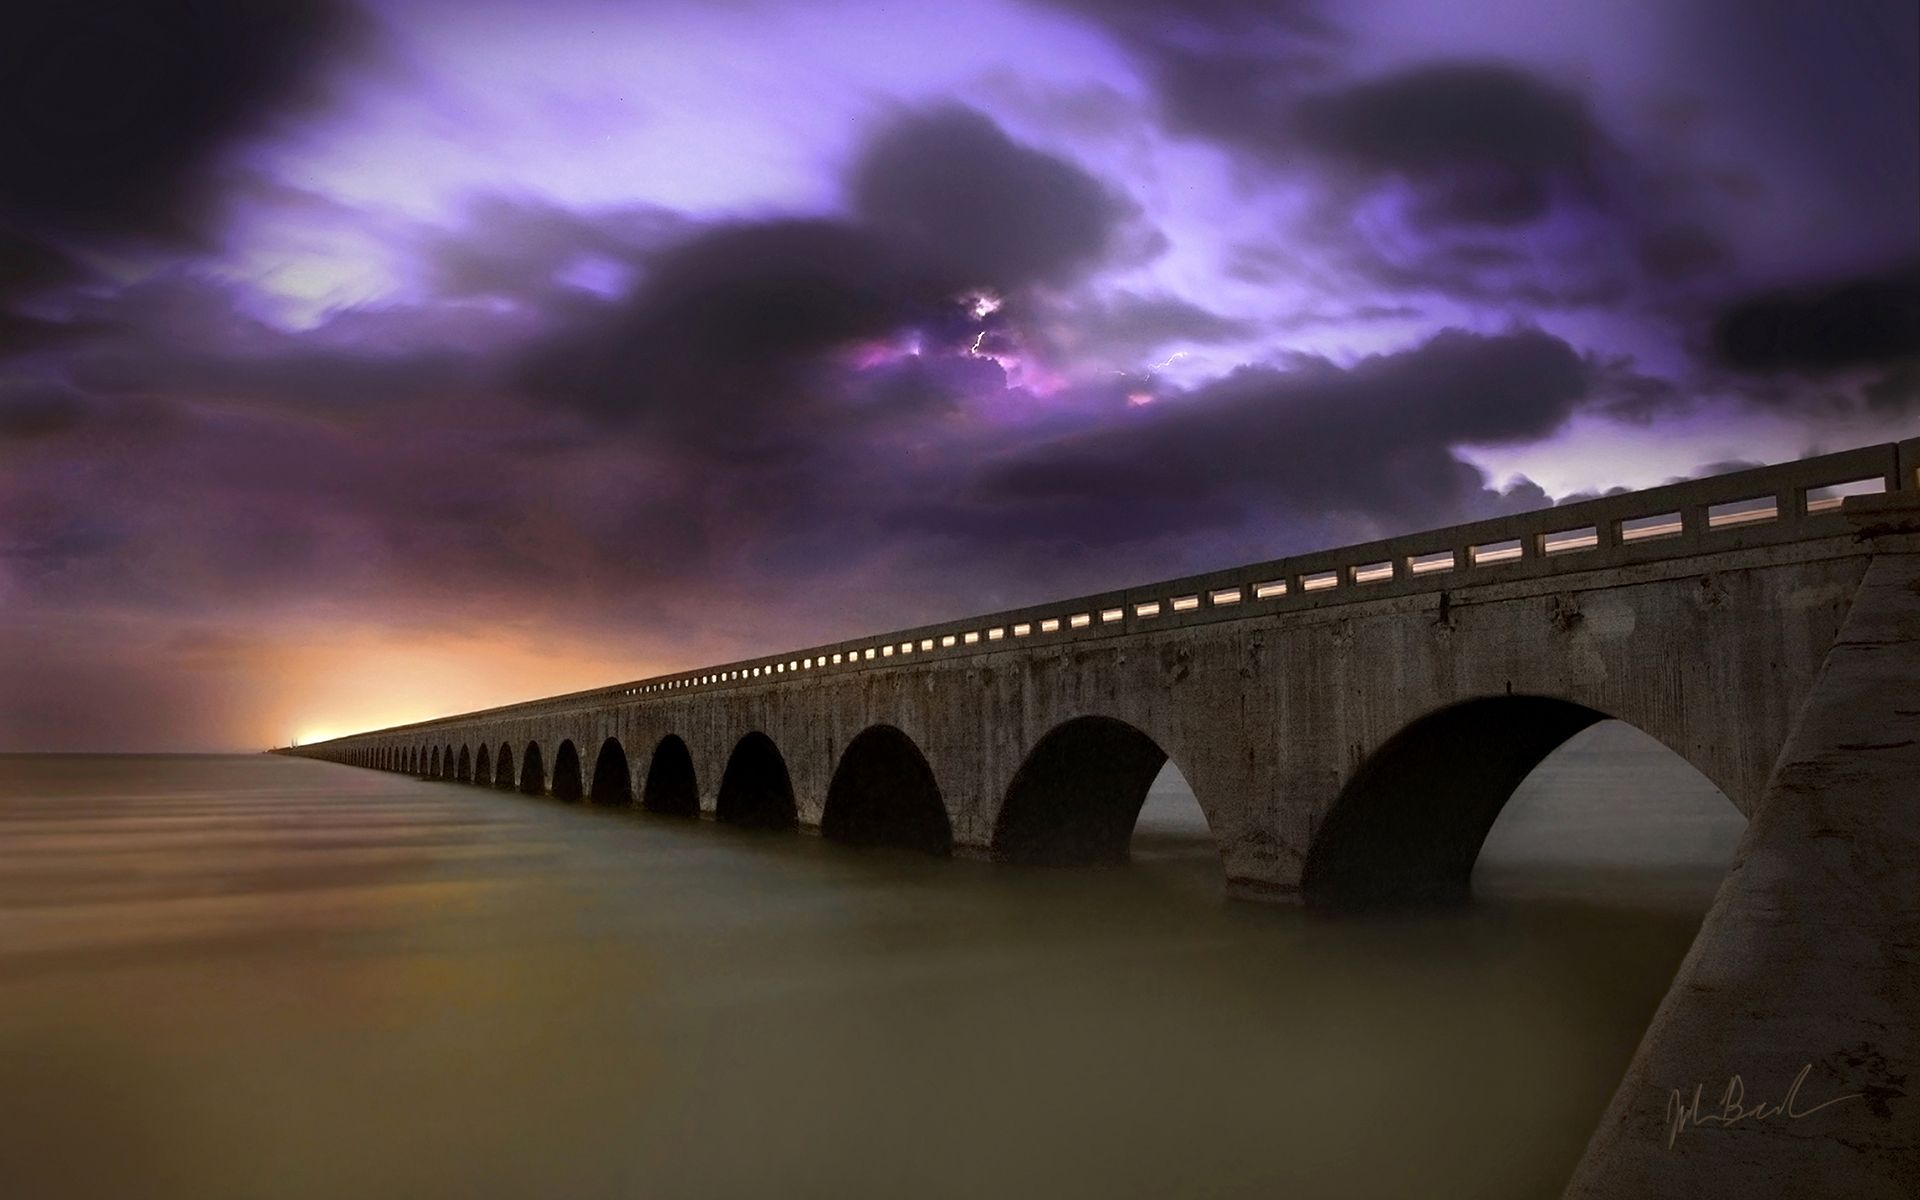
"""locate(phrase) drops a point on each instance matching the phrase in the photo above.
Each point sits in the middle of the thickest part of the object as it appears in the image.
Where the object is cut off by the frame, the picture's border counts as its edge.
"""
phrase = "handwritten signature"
(1682, 1111)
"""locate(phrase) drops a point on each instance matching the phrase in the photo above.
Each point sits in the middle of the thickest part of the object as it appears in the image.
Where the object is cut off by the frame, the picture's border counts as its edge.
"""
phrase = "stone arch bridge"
(1351, 722)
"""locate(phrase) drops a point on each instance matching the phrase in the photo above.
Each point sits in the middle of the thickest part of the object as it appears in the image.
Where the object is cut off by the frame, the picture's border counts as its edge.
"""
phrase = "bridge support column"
(1804, 984)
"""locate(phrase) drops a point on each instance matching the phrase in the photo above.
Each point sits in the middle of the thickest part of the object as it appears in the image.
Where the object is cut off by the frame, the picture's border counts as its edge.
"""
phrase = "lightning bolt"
(1175, 357)
(975, 348)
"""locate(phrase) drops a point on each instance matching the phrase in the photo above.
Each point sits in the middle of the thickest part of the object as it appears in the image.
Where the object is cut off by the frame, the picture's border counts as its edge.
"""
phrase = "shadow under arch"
(612, 781)
(755, 790)
(1407, 827)
(446, 762)
(433, 764)
(533, 772)
(482, 767)
(671, 787)
(503, 776)
(884, 794)
(463, 770)
(1076, 797)
(565, 783)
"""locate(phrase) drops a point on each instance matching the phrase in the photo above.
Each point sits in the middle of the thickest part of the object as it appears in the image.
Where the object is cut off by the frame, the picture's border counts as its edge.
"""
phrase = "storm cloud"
(117, 112)
(469, 352)
(1868, 321)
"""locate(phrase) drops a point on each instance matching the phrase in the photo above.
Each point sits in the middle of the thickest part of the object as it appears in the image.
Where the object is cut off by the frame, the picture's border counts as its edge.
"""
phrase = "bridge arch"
(755, 789)
(1409, 825)
(884, 794)
(463, 771)
(1076, 797)
(433, 763)
(503, 776)
(533, 771)
(671, 787)
(565, 784)
(612, 779)
(482, 767)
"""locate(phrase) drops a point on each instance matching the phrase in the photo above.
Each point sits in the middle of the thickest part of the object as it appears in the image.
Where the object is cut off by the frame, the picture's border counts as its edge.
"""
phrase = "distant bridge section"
(1351, 723)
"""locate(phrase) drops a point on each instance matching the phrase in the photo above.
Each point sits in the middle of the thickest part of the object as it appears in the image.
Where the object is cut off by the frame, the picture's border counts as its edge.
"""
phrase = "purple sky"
(364, 363)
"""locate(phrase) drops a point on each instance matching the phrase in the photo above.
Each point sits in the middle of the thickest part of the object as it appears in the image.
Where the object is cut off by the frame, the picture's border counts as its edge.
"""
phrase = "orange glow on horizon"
(339, 682)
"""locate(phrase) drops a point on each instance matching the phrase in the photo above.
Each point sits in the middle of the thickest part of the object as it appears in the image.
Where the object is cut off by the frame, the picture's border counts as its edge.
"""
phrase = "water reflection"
(255, 976)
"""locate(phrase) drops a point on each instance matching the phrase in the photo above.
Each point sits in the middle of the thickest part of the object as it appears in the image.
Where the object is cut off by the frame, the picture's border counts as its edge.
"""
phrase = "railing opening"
(1646, 529)
(1754, 511)
(1488, 553)
(1831, 496)
(1569, 541)
(1438, 560)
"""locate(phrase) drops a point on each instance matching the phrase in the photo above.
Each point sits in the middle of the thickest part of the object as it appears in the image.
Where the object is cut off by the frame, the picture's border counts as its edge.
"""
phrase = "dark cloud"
(1870, 321)
(522, 248)
(1895, 392)
(1483, 143)
(115, 116)
(178, 337)
(950, 190)
(115, 109)
(718, 349)
(37, 409)
(712, 349)
(1227, 70)
(1681, 251)
(1373, 439)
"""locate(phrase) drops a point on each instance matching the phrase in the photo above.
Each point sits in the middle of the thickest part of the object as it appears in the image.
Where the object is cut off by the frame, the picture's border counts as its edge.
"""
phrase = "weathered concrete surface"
(1269, 718)
(1810, 957)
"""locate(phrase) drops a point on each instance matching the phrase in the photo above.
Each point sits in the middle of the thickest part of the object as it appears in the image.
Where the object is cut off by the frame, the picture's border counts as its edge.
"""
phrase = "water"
(250, 977)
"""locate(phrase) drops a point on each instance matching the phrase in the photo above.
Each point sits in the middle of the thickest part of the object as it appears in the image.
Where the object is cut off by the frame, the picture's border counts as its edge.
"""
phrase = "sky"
(361, 363)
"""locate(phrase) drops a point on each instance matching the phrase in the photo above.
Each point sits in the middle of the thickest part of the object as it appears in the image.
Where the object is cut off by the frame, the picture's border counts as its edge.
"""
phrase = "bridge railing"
(1764, 506)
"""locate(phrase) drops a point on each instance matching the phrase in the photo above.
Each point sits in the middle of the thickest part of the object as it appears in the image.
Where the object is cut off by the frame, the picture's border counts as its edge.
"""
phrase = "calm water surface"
(267, 977)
